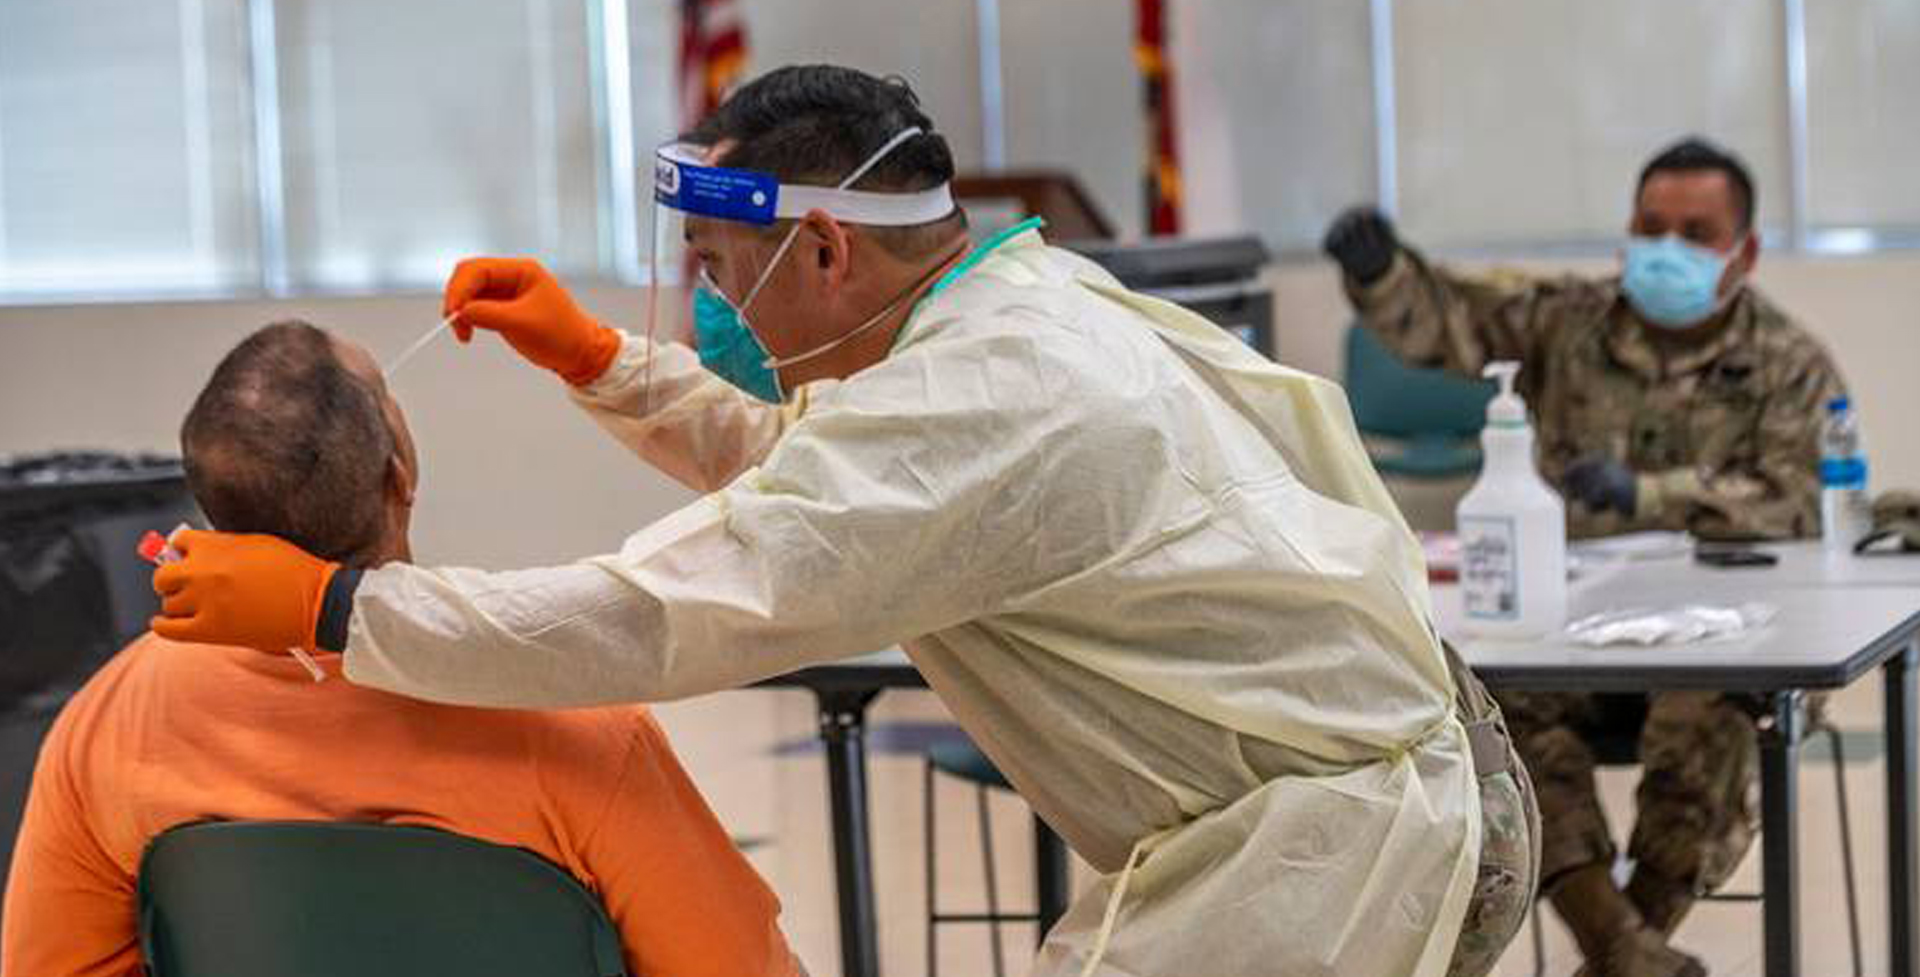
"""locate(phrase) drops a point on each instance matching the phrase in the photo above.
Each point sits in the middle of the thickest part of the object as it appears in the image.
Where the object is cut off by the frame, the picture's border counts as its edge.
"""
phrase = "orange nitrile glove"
(232, 589)
(524, 303)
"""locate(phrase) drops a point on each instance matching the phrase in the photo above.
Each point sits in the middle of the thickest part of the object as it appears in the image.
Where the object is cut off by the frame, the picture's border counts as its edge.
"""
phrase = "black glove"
(1602, 484)
(1362, 240)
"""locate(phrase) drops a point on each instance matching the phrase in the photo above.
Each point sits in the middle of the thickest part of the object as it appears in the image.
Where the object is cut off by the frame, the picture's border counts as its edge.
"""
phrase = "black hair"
(286, 440)
(815, 123)
(1694, 154)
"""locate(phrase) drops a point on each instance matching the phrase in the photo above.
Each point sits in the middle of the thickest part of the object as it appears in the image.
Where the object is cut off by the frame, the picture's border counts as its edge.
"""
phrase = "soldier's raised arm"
(1432, 316)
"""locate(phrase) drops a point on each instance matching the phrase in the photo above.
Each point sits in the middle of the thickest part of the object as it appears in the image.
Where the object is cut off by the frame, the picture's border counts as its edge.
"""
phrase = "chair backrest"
(325, 899)
(1392, 398)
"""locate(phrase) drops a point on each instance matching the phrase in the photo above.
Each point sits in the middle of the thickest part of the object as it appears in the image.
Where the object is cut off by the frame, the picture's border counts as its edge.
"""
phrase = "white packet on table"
(1671, 625)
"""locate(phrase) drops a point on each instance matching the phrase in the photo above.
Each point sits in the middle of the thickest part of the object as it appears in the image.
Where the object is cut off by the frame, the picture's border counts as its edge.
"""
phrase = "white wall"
(514, 475)
(1072, 93)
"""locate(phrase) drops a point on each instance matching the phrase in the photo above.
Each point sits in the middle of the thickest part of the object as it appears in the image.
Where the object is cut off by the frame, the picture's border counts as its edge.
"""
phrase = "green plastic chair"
(325, 899)
(1436, 416)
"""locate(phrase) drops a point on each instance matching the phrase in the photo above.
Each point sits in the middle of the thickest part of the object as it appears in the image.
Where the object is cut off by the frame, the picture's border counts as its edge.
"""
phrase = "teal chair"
(325, 899)
(1432, 417)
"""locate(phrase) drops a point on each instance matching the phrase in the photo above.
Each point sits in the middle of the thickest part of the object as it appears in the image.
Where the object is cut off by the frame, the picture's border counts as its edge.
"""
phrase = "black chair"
(1622, 749)
(324, 899)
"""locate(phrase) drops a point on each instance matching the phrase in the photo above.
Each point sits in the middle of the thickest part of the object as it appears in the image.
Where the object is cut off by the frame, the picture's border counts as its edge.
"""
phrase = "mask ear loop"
(852, 178)
(793, 233)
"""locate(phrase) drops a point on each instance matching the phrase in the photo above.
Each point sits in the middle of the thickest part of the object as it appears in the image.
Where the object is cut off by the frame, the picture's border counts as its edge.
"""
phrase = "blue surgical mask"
(729, 348)
(1672, 284)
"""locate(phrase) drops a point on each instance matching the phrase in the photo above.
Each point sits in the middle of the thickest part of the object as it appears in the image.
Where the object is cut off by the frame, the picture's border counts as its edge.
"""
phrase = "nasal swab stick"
(393, 365)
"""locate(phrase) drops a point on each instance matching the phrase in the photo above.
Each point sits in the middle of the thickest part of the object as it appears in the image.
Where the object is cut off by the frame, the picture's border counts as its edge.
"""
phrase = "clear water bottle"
(1844, 511)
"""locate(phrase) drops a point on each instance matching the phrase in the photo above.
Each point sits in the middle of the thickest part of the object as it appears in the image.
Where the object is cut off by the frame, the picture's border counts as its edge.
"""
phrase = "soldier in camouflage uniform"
(1509, 871)
(1710, 426)
(1896, 517)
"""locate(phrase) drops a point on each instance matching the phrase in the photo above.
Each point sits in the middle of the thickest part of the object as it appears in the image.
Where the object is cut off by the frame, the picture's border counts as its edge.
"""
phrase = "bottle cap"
(1506, 409)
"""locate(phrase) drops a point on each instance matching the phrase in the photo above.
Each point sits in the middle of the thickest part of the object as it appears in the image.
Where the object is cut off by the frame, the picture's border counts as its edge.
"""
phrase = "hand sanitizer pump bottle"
(1513, 529)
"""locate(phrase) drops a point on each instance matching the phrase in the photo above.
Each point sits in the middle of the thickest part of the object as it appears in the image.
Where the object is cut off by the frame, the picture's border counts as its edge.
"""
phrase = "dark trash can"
(72, 591)
(1218, 278)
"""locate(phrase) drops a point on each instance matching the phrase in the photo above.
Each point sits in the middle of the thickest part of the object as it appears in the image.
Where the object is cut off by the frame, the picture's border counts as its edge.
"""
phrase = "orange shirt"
(169, 733)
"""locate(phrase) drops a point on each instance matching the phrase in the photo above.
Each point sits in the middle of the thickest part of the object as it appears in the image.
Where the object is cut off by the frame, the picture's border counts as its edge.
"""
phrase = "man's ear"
(826, 246)
(1750, 252)
(401, 481)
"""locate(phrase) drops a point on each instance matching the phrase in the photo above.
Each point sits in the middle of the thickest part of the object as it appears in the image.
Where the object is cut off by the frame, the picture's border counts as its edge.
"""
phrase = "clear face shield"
(685, 187)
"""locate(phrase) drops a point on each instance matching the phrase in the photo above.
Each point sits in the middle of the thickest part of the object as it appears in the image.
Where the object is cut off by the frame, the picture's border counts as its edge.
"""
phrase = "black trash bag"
(72, 590)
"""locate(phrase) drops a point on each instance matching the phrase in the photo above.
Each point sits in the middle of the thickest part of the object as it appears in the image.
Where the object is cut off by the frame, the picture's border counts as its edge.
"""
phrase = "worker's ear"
(826, 249)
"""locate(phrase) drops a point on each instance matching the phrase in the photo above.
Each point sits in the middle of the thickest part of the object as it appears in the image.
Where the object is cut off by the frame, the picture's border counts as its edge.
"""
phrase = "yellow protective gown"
(1151, 573)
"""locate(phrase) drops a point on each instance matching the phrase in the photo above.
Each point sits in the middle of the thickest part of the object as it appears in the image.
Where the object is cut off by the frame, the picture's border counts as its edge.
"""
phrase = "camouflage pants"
(1509, 874)
(1698, 790)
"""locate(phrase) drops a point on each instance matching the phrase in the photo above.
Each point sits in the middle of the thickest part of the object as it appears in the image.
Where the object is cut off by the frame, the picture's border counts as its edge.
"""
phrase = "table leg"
(1052, 886)
(843, 725)
(1902, 778)
(1779, 835)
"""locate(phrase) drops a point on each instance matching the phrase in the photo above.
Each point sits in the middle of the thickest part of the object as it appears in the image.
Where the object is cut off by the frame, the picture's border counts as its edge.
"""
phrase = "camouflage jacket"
(1722, 426)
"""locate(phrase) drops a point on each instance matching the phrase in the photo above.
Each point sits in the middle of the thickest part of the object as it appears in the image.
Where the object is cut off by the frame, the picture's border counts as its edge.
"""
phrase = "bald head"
(294, 436)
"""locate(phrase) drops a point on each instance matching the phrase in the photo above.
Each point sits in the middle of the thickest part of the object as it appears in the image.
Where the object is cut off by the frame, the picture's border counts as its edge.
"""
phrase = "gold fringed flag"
(713, 56)
(1151, 53)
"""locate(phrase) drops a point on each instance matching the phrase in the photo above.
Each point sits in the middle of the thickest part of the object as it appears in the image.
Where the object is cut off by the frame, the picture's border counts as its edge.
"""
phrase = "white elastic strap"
(767, 273)
(781, 252)
(878, 155)
(864, 207)
(861, 207)
(773, 363)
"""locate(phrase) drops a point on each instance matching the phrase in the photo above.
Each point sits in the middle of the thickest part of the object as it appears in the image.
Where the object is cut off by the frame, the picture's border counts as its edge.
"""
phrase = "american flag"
(713, 55)
(1154, 58)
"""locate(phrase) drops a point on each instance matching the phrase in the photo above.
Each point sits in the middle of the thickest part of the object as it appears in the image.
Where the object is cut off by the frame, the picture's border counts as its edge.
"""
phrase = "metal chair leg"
(993, 883)
(1835, 745)
(933, 909)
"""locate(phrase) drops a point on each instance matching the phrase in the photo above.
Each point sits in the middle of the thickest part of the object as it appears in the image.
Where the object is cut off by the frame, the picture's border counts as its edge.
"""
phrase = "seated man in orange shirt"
(296, 436)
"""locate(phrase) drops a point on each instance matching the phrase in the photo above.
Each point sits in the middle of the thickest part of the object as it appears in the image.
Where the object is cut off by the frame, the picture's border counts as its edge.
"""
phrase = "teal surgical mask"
(729, 349)
(1671, 283)
(727, 343)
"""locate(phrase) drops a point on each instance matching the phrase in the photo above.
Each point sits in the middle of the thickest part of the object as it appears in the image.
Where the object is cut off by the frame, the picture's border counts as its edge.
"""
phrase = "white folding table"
(1837, 621)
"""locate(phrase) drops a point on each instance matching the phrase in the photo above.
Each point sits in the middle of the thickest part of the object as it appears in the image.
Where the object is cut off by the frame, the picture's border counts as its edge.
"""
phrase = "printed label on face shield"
(1489, 568)
(714, 191)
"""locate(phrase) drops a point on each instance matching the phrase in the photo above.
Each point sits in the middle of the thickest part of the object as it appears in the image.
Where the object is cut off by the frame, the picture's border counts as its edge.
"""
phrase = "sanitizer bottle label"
(1489, 568)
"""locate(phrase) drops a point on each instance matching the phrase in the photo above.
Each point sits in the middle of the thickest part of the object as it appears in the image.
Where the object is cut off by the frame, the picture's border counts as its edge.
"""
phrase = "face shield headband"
(682, 182)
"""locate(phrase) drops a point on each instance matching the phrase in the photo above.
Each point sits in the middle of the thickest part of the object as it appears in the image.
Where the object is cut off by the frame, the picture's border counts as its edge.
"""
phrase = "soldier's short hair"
(1695, 153)
(815, 123)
